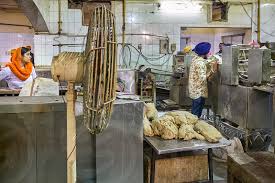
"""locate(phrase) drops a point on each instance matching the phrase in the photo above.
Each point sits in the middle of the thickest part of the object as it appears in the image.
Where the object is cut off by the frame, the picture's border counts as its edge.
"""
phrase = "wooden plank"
(6, 91)
(189, 168)
(251, 167)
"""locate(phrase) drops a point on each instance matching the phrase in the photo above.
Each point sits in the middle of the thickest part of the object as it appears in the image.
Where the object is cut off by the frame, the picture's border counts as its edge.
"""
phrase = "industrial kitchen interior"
(137, 91)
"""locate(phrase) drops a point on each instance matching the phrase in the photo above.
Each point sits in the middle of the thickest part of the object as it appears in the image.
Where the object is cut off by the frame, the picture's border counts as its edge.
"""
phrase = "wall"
(268, 23)
(13, 36)
(44, 8)
(14, 18)
(198, 35)
(147, 18)
(219, 32)
(10, 41)
(214, 35)
(73, 33)
(141, 18)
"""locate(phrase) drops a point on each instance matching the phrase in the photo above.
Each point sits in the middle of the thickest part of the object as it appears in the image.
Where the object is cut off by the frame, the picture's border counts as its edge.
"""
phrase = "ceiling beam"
(32, 12)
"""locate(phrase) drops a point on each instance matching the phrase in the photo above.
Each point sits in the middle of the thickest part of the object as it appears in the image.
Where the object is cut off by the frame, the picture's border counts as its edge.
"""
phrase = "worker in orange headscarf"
(20, 70)
(187, 49)
(32, 56)
(12, 52)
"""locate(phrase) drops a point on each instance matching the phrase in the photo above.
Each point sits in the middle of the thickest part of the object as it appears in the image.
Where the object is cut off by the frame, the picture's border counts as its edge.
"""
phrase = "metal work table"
(267, 89)
(33, 140)
(8, 92)
(161, 147)
(116, 154)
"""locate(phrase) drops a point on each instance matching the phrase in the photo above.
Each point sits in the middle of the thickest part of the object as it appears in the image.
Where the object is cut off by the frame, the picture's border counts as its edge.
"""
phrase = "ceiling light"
(180, 7)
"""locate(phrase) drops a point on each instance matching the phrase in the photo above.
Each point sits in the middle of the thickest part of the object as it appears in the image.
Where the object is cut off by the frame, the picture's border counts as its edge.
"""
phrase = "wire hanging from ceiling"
(270, 34)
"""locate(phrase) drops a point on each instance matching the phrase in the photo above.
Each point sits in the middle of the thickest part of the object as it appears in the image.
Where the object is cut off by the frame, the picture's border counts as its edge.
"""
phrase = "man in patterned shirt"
(198, 76)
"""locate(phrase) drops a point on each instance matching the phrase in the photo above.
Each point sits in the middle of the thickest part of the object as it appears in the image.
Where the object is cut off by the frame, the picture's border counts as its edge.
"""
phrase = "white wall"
(10, 41)
(214, 35)
(268, 22)
(140, 18)
(147, 18)
(44, 8)
(13, 36)
(72, 32)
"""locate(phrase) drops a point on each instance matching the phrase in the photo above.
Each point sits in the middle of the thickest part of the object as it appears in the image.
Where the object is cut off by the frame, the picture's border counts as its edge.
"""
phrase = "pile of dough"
(186, 132)
(183, 117)
(151, 111)
(147, 129)
(165, 127)
(40, 87)
(210, 133)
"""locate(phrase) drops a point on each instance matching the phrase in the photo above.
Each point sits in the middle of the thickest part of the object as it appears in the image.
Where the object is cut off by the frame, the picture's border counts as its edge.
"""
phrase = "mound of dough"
(165, 127)
(186, 132)
(151, 111)
(147, 129)
(183, 117)
(210, 133)
(40, 87)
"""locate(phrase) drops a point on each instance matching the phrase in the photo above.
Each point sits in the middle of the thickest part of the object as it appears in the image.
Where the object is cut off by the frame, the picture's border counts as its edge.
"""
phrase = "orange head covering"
(29, 47)
(15, 66)
(12, 51)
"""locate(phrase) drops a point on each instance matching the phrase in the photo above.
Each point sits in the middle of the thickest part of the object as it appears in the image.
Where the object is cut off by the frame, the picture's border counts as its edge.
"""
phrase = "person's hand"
(214, 67)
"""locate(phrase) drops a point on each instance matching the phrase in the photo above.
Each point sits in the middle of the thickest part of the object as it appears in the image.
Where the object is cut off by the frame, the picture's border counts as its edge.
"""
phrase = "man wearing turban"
(198, 75)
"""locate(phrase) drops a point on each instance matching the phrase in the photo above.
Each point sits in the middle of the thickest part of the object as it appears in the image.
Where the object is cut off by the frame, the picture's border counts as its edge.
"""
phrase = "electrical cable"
(137, 61)
(270, 34)
(121, 55)
(271, 17)
(165, 59)
(146, 57)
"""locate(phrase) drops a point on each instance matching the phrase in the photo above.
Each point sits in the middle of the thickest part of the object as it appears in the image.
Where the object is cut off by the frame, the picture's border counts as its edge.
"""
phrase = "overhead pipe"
(62, 34)
(152, 35)
(123, 21)
(59, 23)
(18, 25)
(259, 22)
(59, 17)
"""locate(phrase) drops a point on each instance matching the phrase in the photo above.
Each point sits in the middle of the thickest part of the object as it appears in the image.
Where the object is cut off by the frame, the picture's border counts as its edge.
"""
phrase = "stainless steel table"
(8, 92)
(161, 147)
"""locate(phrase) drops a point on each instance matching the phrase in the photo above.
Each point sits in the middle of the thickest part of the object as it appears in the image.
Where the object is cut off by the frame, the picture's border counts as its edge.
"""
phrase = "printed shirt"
(14, 82)
(197, 84)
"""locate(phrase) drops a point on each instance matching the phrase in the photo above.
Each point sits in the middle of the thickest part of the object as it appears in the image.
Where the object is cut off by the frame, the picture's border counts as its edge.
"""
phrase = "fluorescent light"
(180, 7)
(133, 19)
(265, 5)
(145, 35)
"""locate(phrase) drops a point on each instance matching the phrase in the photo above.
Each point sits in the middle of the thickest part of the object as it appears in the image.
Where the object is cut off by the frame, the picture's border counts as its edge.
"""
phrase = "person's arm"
(202, 71)
(33, 73)
(4, 73)
(212, 70)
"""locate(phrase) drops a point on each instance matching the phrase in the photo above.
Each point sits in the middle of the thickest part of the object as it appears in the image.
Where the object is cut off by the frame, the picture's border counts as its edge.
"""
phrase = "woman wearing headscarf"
(20, 70)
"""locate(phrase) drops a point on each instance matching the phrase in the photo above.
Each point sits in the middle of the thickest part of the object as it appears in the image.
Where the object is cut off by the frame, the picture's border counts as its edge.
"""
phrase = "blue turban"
(202, 48)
